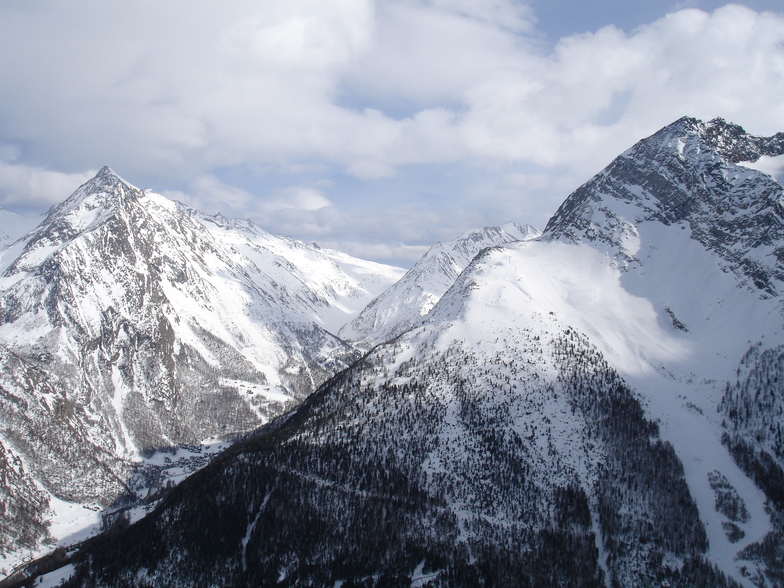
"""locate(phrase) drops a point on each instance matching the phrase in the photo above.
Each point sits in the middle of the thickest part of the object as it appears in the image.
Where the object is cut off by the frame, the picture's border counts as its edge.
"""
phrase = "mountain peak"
(108, 180)
(97, 197)
(403, 305)
(686, 175)
(94, 202)
(727, 139)
(106, 173)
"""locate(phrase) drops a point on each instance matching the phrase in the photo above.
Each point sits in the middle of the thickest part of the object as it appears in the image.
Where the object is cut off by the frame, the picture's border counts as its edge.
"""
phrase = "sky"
(376, 127)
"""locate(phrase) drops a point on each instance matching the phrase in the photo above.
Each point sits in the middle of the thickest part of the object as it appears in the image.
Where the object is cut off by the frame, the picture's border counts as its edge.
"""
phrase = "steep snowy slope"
(403, 305)
(600, 406)
(684, 176)
(697, 244)
(128, 325)
(336, 286)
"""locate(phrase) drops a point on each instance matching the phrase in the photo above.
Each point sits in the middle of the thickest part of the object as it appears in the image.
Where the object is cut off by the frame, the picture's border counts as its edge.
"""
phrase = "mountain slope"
(599, 406)
(698, 241)
(404, 304)
(331, 287)
(421, 464)
(138, 328)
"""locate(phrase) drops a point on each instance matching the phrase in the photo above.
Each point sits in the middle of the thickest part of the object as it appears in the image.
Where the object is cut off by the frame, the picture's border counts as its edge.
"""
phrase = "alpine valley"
(599, 405)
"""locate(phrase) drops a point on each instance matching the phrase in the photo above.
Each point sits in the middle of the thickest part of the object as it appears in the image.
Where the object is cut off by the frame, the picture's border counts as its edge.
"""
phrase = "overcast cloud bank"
(373, 127)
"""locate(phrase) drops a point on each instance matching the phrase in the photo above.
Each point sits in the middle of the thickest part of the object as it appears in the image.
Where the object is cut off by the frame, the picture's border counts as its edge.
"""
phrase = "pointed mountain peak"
(685, 124)
(106, 180)
(106, 173)
(103, 193)
(92, 203)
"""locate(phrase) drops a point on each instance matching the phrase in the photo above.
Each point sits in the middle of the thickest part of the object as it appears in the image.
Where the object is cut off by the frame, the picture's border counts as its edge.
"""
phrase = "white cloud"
(210, 194)
(184, 90)
(513, 16)
(205, 191)
(309, 34)
(370, 170)
(773, 166)
(429, 53)
(358, 91)
(555, 109)
(24, 187)
(393, 253)
(294, 198)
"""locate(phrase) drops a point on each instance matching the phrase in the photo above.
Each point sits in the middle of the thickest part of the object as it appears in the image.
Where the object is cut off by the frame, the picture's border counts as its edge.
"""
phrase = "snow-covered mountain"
(331, 287)
(601, 406)
(733, 211)
(130, 324)
(404, 304)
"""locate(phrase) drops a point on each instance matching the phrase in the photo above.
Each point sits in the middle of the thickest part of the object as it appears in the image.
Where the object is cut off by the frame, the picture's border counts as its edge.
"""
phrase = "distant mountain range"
(598, 405)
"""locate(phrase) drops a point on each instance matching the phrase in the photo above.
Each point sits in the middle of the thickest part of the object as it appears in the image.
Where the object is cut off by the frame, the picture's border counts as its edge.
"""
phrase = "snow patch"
(55, 578)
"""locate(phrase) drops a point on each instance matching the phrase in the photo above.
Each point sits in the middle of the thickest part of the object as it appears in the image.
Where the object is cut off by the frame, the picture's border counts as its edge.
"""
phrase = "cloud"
(211, 194)
(370, 170)
(515, 17)
(689, 62)
(399, 254)
(773, 166)
(364, 95)
(428, 53)
(29, 188)
(190, 86)
(183, 91)
(307, 35)
(293, 198)
(206, 190)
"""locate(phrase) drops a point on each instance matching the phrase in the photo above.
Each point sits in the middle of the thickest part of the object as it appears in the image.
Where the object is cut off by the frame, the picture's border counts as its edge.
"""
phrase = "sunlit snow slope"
(404, 304)
(671, 261)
